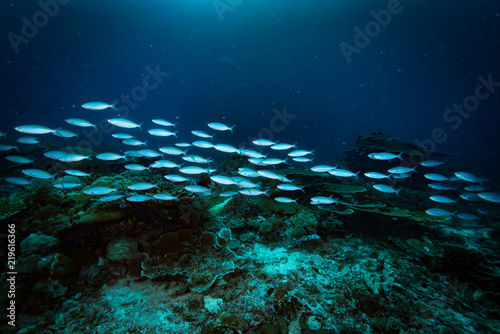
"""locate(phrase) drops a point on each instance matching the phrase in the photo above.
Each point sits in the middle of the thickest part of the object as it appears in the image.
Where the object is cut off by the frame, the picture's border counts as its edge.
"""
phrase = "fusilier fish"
(202, 134)
(402, 170)
(274, 161)
(75, 172)
(34, 129)
(136, 167)
(147, 153)
(437, 212)
(246, 184)
(385, 156)
(252, 154)
(442, 199)
(4, 147)
(285, 200)
(197, 189)
(342, 173)
(253, 192)
(220, 127)
(467, 216)
(99, 191)
(322, 168)
(196, 159)
(244, 171)
(55, 155)
(110, 156)
(377, 176)
(318, 200)
(73, 157)
(226, 148)
(139, 198)
(289, 187)
(162, 133)
(283, 146)
(64, 133)
(203, 144)
(99, 105)
(221, 179)
(67, 185)
(302, 159)
(110, 198)
(134, 142)
(37, 173)
(431, 163)
(176, 178)
(386, 189)
(300, 153)
(165, 197)
(471, 197)
(163, 122)
(435, 177)
(124, 123)
(441, 186)
(164, 164)
(122, 136)
(142, 186)
(172, 151)
(476, 187)
(19, 159)
(21, 181)
(263, 142)
(28, 140)
(490, 197)
(192, 170)
(467, 177)
(80, 122)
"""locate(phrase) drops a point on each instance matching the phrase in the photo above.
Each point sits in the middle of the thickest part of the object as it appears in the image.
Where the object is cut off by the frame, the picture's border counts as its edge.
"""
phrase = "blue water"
(237, 63)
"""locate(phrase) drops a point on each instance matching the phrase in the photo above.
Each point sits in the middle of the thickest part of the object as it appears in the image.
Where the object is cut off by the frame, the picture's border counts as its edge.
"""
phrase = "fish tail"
(113, 105)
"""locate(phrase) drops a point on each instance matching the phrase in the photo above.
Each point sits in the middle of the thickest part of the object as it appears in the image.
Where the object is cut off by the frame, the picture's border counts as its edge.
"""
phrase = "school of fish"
(470, 187)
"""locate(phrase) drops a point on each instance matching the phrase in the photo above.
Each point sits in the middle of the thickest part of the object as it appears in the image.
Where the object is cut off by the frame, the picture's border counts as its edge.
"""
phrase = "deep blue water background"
(263, 55)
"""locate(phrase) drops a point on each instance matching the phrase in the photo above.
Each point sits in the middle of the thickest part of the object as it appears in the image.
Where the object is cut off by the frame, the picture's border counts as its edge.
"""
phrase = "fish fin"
(231, 128)
(113, 105)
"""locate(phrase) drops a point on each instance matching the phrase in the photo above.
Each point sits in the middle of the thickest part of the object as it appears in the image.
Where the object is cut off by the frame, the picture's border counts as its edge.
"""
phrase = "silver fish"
(162, 133)
(323, 200)
(110, 156)
(124, 123)
(163, 122)
(80, 122)
(139, 198)
(220, 127)
(21, 181)
(197, 189)
(386, 189)
(142, 186)
(285, 200)
(202, 134)
(34, 129)
(99, 105)
(99, 191)
(37, 173)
